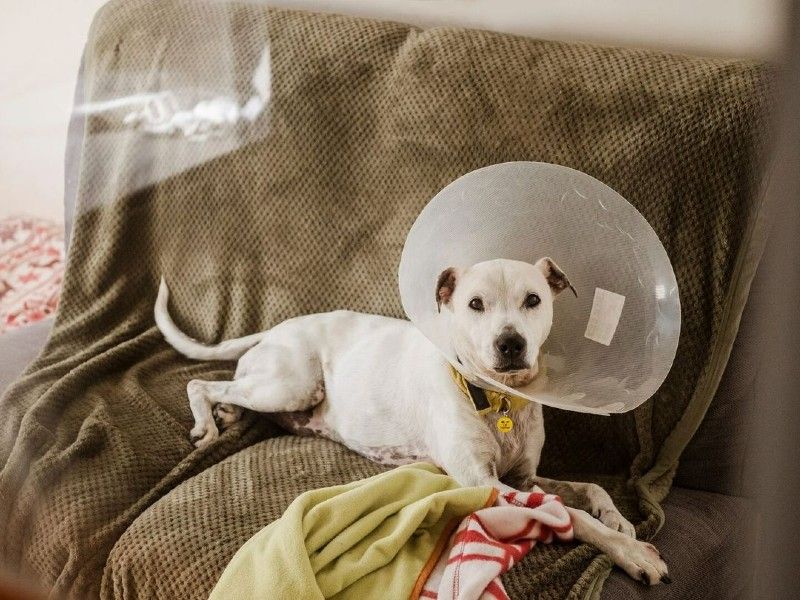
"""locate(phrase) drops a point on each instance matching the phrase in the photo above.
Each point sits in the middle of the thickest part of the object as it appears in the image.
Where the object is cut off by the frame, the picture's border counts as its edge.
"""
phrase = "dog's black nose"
(510, 346)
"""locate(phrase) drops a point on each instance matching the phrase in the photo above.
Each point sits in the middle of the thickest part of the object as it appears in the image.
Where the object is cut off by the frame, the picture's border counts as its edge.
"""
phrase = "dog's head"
(501, 313)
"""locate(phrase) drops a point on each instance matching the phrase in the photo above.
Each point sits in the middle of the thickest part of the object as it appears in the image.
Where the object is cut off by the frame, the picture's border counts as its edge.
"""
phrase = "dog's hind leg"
(257, 392)
(205, 429)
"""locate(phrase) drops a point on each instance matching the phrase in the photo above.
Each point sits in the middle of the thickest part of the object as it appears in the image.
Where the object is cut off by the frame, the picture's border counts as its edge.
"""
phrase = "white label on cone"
(603, 321)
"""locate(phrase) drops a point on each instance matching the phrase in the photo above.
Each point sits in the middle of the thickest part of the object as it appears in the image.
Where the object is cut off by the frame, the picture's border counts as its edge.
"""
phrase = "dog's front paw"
(643, 562)
(611, 517)
(202, 434)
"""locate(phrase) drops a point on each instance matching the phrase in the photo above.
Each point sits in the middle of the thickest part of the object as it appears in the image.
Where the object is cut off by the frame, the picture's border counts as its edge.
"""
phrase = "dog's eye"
(476, 304)
(531, 300)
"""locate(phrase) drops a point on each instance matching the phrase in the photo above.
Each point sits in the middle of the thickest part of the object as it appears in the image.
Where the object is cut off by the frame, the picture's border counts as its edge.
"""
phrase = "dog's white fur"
(377, 385)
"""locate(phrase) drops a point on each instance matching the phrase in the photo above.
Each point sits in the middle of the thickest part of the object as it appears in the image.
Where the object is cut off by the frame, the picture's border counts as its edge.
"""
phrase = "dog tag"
(505, 424)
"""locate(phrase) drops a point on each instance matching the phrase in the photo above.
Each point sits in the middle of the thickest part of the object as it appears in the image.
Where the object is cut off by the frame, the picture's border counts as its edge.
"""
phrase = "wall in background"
(751, 28)
(40, 50)
(41, 42)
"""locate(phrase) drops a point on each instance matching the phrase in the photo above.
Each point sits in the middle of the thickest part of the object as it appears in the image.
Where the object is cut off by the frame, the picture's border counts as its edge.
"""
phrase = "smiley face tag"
(505, 424)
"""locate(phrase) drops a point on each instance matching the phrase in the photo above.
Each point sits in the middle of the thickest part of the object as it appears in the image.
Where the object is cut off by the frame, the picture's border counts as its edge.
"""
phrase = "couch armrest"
(19, 347)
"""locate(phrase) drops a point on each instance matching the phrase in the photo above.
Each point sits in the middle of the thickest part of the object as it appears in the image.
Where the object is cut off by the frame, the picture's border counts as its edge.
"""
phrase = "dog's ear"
(445, 287)
(555, 276)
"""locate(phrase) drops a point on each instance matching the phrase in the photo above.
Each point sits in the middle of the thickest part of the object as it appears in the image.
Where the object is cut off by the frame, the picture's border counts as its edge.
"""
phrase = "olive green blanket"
(302, 206)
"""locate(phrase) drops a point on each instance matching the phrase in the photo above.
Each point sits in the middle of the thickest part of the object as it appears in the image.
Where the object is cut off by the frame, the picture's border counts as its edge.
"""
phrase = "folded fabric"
(488, 542)
(368, 539)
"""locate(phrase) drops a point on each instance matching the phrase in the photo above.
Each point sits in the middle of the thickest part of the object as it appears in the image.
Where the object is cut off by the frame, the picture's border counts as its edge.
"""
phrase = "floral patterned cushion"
(31, 270)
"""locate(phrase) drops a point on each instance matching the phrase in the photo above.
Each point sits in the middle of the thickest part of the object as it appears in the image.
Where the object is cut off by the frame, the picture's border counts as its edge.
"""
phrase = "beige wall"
(724, 27)
(41, 41)
(40, 47)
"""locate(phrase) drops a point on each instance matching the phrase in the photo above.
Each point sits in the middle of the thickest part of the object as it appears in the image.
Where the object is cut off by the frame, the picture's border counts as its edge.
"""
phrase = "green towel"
(370, 538)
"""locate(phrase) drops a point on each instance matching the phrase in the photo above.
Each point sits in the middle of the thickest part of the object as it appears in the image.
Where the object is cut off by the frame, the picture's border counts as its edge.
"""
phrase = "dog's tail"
(191, 348)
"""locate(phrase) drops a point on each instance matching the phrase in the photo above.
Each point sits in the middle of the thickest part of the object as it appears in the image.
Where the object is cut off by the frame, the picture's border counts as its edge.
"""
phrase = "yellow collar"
(486, 401)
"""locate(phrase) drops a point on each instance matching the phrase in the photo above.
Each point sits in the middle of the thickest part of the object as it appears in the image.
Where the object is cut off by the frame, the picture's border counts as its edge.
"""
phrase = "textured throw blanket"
(298, 201)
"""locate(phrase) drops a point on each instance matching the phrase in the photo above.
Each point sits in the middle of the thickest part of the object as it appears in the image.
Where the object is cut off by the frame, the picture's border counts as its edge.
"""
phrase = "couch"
(682, 130)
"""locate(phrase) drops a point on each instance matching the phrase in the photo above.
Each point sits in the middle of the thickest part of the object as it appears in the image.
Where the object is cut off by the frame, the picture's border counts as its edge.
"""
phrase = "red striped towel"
(488, 542)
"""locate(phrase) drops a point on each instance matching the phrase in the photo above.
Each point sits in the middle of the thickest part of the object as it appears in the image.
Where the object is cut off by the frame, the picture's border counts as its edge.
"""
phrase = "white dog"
(380, 387)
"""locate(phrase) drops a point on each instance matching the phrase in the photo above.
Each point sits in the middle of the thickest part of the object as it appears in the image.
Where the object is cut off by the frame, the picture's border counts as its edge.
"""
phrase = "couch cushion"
(180, 546)
(704, 542)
